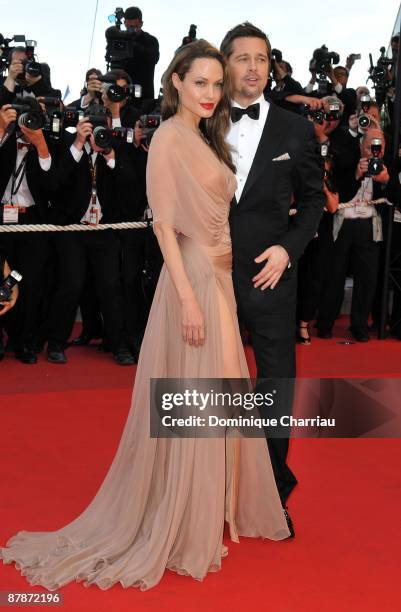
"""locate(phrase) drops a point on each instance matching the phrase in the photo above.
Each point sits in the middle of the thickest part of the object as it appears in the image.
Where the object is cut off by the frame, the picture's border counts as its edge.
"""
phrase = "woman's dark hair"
(115, 75)
(93, 71)
(243, 30)
(215, 128)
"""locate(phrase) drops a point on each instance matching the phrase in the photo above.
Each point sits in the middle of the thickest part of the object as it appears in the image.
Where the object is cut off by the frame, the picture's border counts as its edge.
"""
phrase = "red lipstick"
(208, 106)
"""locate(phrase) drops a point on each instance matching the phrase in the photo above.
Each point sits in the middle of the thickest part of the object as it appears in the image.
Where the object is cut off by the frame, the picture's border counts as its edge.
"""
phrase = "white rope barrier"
(78, 227)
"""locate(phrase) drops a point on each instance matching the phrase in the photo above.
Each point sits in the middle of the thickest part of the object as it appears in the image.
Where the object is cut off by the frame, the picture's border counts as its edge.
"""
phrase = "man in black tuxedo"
(275, 153)
(27, 175)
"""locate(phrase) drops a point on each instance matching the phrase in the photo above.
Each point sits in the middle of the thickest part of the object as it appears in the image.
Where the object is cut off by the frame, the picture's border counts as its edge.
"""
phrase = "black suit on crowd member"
(141, 66)
(102, 248)
(261, 219)
(26, 251)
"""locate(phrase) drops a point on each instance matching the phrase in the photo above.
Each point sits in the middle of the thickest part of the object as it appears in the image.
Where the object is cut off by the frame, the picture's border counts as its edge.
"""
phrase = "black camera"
(96, 114)
(277, 55)
(6, 50)
(29, 113)
(53, 117)
(364, 121)
(323, 60)
(149, 124)
(191, 35)
(318, 116)
(34, 69)
(375, 163)
(7, 285)
(116, 93)
(108, 138)
(379, 74)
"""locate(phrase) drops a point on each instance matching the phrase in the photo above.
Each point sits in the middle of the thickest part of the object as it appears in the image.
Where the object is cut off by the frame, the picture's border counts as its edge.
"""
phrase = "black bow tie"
(252, 111)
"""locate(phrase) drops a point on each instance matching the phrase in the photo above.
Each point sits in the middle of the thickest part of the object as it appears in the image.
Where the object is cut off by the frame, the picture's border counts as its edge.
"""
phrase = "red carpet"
(60, 426)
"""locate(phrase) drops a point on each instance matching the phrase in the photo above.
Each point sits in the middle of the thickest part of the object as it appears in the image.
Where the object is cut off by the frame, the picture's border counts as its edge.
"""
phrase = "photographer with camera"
(141, 52)
(92, 90)
(285, 86)
(94, 172)
(27, 175)
(139, 248)
(331, 81)
(313, 264)
(357, 232)
(21, 81)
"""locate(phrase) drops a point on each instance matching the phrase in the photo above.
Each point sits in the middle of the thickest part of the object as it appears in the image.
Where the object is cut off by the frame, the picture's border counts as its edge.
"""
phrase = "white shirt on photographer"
(23, 198)
(77, 155)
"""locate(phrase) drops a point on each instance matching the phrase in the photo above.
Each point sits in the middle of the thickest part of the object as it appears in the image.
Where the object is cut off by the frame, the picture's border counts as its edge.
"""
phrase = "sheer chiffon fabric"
(163, 502)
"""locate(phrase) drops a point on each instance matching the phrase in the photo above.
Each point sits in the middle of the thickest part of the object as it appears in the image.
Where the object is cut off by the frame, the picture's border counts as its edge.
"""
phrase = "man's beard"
(245, 92)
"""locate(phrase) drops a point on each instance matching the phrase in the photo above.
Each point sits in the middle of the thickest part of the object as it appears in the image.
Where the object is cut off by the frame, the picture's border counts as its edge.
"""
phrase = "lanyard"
(93, 171)
(18, 173)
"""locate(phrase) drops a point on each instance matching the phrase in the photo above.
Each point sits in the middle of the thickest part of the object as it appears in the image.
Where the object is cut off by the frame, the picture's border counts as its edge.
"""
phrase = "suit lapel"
(269, 143)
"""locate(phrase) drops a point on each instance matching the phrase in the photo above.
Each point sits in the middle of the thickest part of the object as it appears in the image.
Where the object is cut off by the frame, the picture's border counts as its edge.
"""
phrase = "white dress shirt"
(244, 136)
(365, 194)
(77, 154)
(23, 198)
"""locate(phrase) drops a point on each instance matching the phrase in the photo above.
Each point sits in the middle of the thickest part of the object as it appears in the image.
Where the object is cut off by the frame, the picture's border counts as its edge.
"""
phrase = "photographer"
(313, 265)
(91, 178)
(19, 81)
(92, 91)
(357, 231)
(26, 176)
(145, 53)
(286, 87)
(139, 248)
(331, 81)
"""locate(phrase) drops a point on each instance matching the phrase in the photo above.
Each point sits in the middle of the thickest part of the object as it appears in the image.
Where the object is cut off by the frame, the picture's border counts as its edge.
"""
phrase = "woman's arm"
(192, 321)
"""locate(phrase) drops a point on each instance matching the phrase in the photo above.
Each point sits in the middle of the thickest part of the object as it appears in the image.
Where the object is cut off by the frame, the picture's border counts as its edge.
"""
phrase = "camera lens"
(364, 121)
(103, 137)
(31, 120)
(34, 69)
(115, 93)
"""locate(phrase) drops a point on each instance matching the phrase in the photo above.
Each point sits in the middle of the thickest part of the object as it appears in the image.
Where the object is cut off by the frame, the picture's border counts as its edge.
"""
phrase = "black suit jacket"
(261, 217)
(117, 189)
(40, 183)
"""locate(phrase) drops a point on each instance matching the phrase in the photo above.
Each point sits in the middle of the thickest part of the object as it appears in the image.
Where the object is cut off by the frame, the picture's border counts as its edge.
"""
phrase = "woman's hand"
(192, 322)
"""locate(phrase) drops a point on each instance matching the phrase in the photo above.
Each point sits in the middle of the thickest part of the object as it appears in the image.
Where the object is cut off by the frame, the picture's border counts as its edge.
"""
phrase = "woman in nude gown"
(164, 501)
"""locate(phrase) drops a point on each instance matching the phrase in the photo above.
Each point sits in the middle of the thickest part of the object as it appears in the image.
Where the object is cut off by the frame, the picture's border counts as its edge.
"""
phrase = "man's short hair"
(133, 12)
(342, 68)
(93, 71)
(243, 30)
(17, 50)
(114, 75)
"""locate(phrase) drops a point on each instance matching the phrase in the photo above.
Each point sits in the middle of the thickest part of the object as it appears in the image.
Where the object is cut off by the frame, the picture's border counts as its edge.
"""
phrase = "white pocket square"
(282, 157)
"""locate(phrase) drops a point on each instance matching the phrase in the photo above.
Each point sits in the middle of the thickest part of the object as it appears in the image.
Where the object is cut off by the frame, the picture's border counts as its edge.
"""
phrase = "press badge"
(10, 214)
(93, 216)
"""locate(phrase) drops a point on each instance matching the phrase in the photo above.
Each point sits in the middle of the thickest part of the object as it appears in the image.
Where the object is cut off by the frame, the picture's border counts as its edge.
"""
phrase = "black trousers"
(139, 249)
(271, 320)
(313, 268)
(393, 318)
(354, 247)
(27, 253)
(102, 249)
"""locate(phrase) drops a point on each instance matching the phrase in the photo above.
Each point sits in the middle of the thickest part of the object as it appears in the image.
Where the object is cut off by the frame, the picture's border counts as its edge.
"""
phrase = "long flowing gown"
(164, 501)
